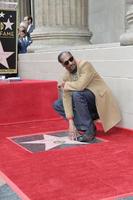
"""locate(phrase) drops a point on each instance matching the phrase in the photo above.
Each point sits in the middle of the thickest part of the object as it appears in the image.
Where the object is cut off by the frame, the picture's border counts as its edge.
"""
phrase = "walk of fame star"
(8, 24)
(4, 55)
(53, 141)
(45, 142)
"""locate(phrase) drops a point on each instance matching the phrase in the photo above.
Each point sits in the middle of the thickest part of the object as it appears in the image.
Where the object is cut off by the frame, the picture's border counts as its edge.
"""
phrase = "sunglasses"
(69, 60)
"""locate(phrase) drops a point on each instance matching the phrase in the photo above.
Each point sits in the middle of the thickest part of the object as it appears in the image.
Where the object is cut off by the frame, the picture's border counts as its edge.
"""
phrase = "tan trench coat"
(88, 78)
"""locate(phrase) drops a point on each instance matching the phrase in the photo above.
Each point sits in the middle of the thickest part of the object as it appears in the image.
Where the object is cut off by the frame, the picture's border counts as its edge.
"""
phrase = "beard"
(73, 69)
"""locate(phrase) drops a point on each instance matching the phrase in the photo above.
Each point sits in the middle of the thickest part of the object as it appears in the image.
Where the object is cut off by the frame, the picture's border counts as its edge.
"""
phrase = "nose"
(70, 62)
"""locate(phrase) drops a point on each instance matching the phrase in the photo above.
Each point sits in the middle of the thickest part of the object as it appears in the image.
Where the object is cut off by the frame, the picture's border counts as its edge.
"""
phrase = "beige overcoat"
(88, 78)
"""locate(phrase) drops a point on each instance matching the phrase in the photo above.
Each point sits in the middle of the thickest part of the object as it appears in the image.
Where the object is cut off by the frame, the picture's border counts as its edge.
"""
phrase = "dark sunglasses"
(69, 60)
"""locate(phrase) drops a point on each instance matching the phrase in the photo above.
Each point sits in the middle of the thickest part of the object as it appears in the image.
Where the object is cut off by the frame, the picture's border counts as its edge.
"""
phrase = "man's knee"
(57, 104)
(76, 95)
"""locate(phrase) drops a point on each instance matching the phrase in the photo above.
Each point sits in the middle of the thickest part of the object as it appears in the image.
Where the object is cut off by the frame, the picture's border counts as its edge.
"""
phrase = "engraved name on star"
(2, 14)
(53, 141)
(8, 24)
(3, 56)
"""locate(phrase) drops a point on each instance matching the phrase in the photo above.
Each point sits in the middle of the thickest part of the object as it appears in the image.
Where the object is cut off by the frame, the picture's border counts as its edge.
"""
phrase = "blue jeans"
(84, 109)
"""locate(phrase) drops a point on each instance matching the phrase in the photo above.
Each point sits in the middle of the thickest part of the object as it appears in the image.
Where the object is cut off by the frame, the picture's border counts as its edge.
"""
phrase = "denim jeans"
(84, 109)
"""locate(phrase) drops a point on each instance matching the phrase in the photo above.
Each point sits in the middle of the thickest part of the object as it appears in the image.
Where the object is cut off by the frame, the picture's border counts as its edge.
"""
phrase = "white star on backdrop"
(8, 24)
(4, 55)
(53, 141)
(2, 14)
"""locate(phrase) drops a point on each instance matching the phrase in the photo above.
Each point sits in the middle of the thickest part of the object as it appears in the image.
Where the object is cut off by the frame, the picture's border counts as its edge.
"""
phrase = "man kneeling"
(86, 97)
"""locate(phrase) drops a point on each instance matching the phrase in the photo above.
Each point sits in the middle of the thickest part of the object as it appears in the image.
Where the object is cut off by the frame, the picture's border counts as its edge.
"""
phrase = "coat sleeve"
(67, 103)
(67, 98)
(87, 73)
(63, 79)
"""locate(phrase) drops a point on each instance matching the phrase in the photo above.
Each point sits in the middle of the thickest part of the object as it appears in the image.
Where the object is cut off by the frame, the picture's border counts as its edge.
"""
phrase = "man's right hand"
(72, 130)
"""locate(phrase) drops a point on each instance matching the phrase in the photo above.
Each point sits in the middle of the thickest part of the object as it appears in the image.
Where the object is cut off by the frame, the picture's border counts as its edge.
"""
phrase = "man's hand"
(72, 130)
(63, 84)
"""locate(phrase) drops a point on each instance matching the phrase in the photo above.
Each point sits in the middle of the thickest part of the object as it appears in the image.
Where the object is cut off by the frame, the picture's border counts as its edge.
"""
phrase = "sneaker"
(87, 136)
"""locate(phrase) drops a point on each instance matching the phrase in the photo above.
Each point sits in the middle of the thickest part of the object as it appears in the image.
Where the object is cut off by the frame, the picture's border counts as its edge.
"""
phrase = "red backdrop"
(27, 101)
